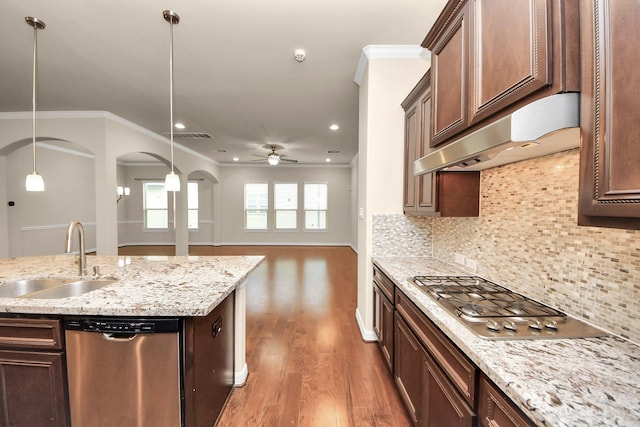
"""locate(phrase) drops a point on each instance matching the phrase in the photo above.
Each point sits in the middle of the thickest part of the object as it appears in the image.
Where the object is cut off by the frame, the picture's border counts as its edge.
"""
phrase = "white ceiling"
(234, 72)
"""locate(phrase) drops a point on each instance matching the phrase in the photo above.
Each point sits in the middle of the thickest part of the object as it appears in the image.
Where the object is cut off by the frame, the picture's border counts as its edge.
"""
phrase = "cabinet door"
(408, 359)
(610, 149)
(449, 73)
(496, 410)
(411, 137)
(426, 190)
(383, 325)
(441, 404)
(33, 391)
(209, 371)
(510, 53)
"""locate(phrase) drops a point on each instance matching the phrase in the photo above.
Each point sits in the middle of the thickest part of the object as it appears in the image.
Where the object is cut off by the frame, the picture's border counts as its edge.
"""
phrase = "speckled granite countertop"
(567, 382)
(146, 286)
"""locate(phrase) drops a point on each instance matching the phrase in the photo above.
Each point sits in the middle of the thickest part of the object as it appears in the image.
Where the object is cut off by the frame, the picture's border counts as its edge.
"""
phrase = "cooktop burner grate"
(496, 313)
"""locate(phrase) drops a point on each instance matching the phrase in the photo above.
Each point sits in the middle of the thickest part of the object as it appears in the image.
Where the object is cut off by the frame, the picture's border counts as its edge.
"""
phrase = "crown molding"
(387, 52)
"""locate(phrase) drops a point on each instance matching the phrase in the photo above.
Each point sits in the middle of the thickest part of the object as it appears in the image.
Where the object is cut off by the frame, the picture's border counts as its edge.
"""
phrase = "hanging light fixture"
(34, 180)
(273, 158)
(171, 181)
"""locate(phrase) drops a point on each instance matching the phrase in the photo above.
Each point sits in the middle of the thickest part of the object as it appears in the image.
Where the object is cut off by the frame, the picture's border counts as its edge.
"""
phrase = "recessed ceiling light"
(235, 159)
(299, 55)
(327, 160)
(334, 127)
(179, 126)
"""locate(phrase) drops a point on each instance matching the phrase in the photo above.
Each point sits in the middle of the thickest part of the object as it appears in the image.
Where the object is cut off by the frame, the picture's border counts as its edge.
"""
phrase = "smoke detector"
(299, 55)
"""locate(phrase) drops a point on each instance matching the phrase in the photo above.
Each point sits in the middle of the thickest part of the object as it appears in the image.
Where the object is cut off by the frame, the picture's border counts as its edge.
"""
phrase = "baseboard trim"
(367, 336)
(240, 377)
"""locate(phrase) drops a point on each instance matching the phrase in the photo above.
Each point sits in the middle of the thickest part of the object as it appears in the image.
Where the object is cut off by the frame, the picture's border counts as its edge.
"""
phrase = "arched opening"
(36, 221)
(146, 215)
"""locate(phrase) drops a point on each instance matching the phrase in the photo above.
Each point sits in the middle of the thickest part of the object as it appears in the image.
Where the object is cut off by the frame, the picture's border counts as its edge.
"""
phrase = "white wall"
(386, 83)
(354, 203)
(37, 222)
(339, 183)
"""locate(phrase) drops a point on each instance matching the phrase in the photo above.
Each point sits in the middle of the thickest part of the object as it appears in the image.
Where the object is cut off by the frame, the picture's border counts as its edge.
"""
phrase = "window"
(192, 205)
(156, 213)
(256, 203)
(315, 206)
(286, 205)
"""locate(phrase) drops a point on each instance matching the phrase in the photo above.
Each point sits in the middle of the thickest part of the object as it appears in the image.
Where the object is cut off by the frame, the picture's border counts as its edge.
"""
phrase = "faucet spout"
(82, 257)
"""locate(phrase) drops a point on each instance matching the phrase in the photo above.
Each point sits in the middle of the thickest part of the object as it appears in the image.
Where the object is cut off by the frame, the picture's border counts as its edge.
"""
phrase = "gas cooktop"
(494, 312)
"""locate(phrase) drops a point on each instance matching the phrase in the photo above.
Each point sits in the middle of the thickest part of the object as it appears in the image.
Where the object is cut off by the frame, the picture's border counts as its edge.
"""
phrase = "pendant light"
(34, 180)
(171, 181)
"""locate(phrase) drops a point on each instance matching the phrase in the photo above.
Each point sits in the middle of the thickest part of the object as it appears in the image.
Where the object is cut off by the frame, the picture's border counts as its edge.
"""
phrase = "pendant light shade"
(34, 180)
(172, 181)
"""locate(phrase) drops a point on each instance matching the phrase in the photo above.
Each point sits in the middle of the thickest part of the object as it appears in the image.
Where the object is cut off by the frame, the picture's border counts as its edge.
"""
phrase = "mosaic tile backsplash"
(527, 238)
(400, 235)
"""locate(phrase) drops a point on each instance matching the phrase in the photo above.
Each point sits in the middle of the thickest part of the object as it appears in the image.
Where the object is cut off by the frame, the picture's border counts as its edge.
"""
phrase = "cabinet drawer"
(496, 410)
(460, 370)
(383, 282)
(30, 333)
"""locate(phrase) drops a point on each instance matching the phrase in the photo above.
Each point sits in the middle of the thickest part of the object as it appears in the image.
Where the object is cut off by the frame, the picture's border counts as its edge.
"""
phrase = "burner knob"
(551, 324)
(510, 325)
(493, 325)
(535, 324)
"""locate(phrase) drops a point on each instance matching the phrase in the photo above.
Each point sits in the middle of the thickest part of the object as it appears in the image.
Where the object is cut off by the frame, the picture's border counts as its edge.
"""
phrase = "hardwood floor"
(308, 365)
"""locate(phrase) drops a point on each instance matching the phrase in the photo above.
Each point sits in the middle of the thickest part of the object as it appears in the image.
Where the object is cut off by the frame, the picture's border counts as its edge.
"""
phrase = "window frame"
(276, 210)
(145, 209)
(196, 209)
(326, 210)
(265, 210)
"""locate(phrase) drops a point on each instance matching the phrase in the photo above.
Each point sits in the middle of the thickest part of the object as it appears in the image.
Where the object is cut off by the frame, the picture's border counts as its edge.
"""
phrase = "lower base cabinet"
(430, 398)
(33, 391)
(495, 409)
(438, 384)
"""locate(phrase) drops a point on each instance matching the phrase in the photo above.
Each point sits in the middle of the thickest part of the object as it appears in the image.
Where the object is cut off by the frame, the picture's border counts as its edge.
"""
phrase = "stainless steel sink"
(19, 288)
(50, 288)
(71, 289)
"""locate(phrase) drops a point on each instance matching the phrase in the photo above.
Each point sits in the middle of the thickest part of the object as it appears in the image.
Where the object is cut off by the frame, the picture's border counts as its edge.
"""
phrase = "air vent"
(333, 151)
(191, 135)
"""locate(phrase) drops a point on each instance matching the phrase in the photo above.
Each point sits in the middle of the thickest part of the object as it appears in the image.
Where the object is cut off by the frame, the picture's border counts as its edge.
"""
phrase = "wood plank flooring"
(308, 365)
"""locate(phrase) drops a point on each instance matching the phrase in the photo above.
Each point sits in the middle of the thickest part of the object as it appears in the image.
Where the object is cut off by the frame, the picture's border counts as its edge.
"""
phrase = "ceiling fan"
(274, 158)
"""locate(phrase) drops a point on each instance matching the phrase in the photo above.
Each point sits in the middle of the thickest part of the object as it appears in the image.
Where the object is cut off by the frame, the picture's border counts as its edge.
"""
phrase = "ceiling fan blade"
(259, 155)
(288, 160)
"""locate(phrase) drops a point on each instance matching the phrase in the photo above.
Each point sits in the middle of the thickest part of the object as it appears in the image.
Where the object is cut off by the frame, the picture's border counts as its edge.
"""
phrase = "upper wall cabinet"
(419, 191)
(610, 149)
(489, 58)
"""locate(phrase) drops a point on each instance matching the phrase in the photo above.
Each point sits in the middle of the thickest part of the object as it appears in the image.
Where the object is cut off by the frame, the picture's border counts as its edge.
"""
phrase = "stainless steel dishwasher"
(124, 372)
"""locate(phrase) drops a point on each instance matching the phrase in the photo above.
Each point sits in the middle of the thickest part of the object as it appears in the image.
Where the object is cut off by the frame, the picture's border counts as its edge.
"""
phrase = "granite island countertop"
(145, 286)
(556, 382)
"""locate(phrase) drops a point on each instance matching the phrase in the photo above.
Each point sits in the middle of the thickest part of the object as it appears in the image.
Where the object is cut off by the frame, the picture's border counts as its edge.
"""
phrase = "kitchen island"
(205, 295)
(555, 382)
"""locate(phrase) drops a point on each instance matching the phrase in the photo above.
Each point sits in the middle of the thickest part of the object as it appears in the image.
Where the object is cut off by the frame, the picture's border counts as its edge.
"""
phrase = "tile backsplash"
(400, 235)
(527, 238)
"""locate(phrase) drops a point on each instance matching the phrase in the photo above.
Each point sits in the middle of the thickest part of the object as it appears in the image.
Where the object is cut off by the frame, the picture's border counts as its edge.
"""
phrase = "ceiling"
(235, 76)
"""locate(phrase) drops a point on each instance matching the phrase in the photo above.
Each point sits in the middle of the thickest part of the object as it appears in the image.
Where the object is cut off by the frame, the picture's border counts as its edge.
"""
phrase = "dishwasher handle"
(119, 336)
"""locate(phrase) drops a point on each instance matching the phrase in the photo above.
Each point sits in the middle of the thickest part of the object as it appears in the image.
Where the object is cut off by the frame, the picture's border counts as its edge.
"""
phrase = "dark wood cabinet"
(208, 363)
(33, 391)
(451, 194)
(408, 361)
(383, 300)
(510, 53)
(496, 410)
(449, 67)
(488, 60)
(441, 404)
(419, 191)
(610, 153)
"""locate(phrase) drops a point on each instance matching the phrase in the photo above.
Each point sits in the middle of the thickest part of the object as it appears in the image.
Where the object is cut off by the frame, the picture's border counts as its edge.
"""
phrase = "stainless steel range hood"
(548, 125)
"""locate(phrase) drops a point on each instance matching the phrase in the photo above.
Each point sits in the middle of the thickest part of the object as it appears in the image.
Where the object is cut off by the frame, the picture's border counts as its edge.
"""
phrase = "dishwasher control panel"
(122, 325)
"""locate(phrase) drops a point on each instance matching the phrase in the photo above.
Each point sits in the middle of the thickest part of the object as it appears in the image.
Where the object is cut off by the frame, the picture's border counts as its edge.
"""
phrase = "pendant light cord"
(171, 86)
(33, 99)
